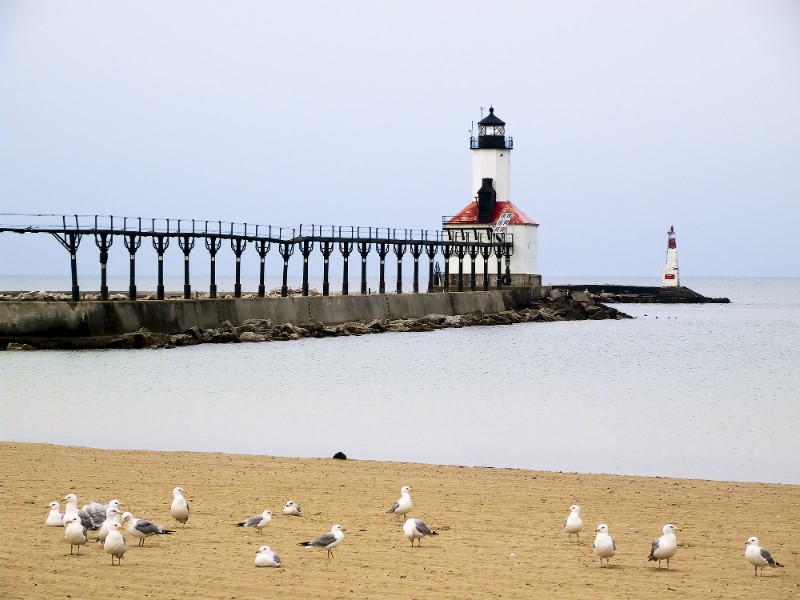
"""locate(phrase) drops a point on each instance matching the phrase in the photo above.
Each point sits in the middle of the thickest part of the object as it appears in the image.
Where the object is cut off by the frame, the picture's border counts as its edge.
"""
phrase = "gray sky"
(628, 116)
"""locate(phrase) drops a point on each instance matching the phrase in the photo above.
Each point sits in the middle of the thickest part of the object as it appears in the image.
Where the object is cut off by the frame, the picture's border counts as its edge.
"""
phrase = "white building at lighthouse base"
(521, 230)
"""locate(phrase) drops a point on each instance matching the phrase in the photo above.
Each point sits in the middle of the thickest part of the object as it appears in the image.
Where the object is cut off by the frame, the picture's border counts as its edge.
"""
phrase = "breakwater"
(636, 294)
(132, 324)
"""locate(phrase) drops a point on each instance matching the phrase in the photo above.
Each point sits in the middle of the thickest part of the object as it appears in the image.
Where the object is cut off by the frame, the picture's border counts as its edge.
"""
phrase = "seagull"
(115, 543)
(665, 546)
(112, 516)
(291, 508)
(180, 507)
(265, 557)
(403, 504)
(55, 518)
(604, 545)
(758, 556)
(259, 521)
(141, 528)
(72, 504)
(329, 540)
(573, 523)
(416, 530)
(75, 532)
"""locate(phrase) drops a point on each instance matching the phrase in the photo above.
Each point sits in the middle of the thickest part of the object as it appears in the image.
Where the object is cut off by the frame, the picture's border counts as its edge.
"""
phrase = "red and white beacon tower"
(671, 277)
(491, 154)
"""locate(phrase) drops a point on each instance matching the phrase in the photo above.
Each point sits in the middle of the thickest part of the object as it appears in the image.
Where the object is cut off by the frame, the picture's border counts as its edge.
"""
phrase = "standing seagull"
(291, 508)
(115, 543)
(71, 507)
(603, 544)
(112, 516)
(416, 530)
(259, 521)
(329, 540)
(141, 528)
(758, 556)
(573, 523)
(75, 532)
(664, 547)
(55, 518)
(267, 558)
(180, 507)
(403, 504)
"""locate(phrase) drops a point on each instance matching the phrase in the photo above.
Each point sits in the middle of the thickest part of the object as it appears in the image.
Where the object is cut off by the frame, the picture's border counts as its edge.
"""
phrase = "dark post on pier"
(70, 229)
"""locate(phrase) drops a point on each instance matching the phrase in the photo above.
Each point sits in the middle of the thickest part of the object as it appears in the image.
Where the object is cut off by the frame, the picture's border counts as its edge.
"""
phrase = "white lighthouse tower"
(671, 277)
(491, 158)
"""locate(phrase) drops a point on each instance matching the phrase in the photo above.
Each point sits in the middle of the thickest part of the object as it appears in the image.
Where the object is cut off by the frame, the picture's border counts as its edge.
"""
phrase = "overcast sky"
(627, 116)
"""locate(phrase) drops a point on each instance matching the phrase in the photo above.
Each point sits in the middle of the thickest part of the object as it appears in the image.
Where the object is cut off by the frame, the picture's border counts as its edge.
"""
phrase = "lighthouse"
(491, 213)
(671, 277)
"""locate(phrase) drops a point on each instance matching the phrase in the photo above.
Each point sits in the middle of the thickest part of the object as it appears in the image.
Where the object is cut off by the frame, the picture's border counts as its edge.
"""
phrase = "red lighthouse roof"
(469, 215)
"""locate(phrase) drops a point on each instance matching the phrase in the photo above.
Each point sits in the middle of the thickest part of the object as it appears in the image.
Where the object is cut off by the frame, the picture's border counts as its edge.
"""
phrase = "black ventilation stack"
(487, 198)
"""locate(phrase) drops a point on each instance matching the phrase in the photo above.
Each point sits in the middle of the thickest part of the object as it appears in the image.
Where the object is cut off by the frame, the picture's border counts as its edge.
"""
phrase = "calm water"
(688, 391)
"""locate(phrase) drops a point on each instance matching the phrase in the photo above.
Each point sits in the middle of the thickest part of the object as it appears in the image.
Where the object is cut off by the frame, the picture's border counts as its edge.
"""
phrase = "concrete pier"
(22, 319)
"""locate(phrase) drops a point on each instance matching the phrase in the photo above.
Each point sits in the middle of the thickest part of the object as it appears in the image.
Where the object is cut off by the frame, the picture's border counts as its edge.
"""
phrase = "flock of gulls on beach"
(109, 523)
(663, 547)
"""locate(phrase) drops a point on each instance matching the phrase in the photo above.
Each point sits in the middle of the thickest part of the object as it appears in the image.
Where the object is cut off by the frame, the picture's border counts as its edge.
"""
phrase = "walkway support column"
(238, 245)
(186, 243)
(103, 241)
(363, 250)
(71, 241)
(132, 243)
(486, 252)
(382, 248)
(399, 250)
(473, 254)
(498, 252)
(326, 248)
(461, 251)
(213, 244)
(346, 248)
(448, 252)
(160, 243)
(416, 252)
(431, 250)
(262, 247)
(286, 249)
(306, 246)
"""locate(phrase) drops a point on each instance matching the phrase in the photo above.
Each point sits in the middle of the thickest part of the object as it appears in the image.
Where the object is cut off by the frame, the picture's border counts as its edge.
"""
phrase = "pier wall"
(20, 319)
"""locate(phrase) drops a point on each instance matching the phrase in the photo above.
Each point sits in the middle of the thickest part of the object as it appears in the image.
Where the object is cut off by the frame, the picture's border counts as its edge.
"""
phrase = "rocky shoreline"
(558, 306)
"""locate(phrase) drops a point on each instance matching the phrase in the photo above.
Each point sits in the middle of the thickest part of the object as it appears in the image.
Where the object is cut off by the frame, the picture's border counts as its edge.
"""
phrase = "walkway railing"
(70, 229)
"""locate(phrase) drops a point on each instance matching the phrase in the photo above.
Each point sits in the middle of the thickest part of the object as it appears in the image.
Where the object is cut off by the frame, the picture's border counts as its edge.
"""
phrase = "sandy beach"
(500, 530)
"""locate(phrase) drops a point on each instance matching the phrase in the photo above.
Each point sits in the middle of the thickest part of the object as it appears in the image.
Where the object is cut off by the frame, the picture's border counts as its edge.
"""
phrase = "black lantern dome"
(491, 133)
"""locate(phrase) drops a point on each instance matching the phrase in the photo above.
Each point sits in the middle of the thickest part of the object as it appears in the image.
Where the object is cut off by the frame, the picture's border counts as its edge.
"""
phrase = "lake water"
(700, 391)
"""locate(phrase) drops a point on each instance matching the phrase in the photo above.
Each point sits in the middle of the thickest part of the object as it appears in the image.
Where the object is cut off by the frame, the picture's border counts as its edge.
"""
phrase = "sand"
(500, 530)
